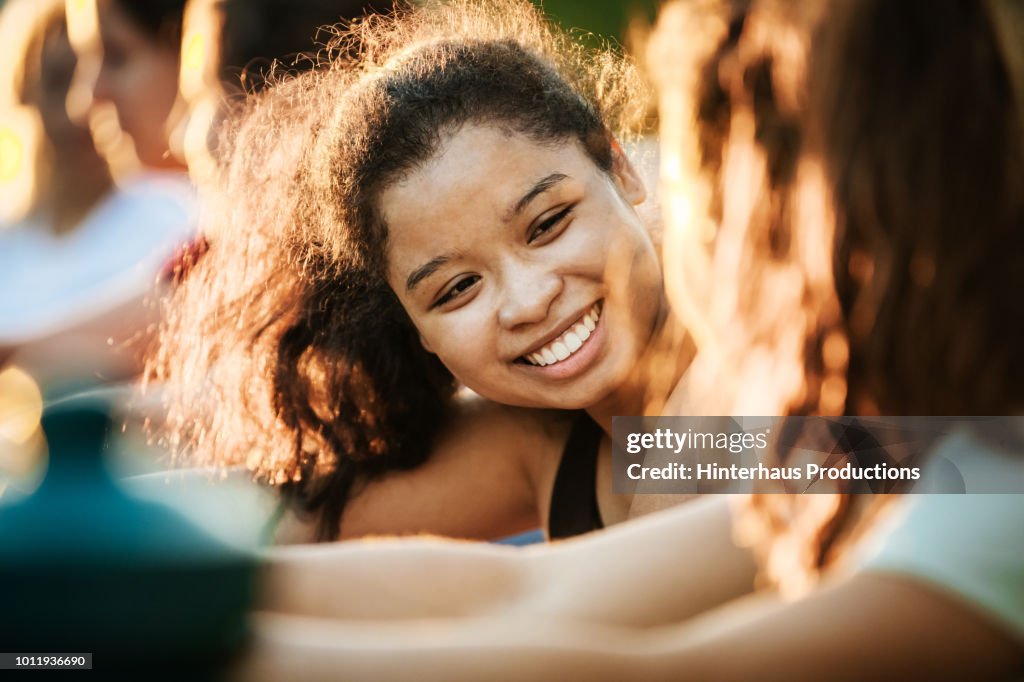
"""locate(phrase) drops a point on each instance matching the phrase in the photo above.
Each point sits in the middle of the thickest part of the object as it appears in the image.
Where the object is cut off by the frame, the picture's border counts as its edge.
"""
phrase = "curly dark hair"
(258, 38)
(285, 349)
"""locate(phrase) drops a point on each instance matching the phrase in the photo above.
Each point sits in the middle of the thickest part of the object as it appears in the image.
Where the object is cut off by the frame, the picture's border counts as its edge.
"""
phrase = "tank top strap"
(574, 509)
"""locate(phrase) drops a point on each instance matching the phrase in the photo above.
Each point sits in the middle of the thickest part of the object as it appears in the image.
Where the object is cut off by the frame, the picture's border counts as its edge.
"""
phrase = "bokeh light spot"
(12, 154)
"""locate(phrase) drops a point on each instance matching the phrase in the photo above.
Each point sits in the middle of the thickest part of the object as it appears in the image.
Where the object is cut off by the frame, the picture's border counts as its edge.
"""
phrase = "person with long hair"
(76, 270)
(60, 177)
(129, 51)
(447, 206)
(76, 266)
(905, 119)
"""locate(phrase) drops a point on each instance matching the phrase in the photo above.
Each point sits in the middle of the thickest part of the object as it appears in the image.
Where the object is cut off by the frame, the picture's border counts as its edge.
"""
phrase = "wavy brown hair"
(284, 349)
(928, 171)
(910, 115)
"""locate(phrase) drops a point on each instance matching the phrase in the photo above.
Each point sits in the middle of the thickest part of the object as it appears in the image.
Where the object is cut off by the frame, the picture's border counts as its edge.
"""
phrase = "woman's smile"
(566, 343)
(571, 352)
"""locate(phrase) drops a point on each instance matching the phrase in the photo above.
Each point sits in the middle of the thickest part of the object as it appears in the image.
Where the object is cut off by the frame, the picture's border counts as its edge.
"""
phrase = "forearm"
(867, 628)
(662, 568)
(394, 578)
(864, 627)
(300, 647)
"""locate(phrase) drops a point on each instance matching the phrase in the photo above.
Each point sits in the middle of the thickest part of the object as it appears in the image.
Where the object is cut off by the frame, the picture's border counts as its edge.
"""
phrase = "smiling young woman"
(450, 208)
(515, 295)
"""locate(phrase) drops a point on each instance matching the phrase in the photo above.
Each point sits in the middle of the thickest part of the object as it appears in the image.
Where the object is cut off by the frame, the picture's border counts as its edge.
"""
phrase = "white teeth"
(569, 342)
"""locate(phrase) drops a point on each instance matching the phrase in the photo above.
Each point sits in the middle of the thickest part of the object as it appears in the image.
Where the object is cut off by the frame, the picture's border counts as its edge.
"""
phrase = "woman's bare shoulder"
(478, 421)
(485, 466)
(530, 440)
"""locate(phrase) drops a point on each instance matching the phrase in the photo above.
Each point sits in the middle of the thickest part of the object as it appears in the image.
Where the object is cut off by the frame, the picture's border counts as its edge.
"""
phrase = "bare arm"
(286, 646)
(870, 627)
(634, 574)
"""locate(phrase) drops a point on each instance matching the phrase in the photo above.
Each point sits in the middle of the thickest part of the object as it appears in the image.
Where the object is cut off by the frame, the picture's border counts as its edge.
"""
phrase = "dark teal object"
(87, 568)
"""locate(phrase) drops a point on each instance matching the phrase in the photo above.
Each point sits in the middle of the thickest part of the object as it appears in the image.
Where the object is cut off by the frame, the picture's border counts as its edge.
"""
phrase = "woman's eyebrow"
(424, 271)
(543, 185)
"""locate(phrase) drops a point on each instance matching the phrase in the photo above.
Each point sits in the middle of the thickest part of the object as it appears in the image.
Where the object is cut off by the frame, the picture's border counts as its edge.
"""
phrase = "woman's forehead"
(115, 26)
(478, 174)
(468, 192)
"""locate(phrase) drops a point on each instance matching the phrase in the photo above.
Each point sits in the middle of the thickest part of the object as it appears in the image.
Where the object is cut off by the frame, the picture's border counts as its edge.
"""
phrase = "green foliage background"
(604, 18)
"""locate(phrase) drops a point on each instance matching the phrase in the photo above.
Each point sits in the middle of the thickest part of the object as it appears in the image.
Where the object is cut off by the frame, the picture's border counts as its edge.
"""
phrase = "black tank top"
(574, 509)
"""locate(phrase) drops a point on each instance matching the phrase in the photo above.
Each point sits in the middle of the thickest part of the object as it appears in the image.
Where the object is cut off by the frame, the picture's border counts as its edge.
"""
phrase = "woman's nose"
(528, 297)
(178, 123)
(102, 88)
(81, 93)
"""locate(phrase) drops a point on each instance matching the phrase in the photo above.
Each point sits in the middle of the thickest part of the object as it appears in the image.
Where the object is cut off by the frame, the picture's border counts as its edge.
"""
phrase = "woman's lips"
(568, 342)
(577, 360)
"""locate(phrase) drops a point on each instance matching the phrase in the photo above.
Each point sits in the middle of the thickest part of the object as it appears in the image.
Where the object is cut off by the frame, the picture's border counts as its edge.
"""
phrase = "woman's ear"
(628, 180)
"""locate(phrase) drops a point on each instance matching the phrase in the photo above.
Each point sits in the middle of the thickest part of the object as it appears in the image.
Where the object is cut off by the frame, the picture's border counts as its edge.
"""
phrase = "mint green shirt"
(970, 546)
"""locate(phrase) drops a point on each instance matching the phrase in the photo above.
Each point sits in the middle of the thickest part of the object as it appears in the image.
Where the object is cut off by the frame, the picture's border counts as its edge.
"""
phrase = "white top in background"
(49, 283)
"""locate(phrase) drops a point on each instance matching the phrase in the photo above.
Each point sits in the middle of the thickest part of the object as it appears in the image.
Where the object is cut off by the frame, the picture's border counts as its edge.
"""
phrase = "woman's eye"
(456, 290)
(549, 224)
(113, 57)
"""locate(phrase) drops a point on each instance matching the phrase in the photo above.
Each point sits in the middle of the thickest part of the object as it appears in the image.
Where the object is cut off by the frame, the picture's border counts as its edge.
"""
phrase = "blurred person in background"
(75, 267)
(64, 175)
(127, 86)
(129, 60)
(51, 180)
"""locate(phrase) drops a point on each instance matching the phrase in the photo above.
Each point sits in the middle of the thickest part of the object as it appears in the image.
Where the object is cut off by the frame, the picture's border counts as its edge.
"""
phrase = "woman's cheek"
(584, 246)
(458, 344)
